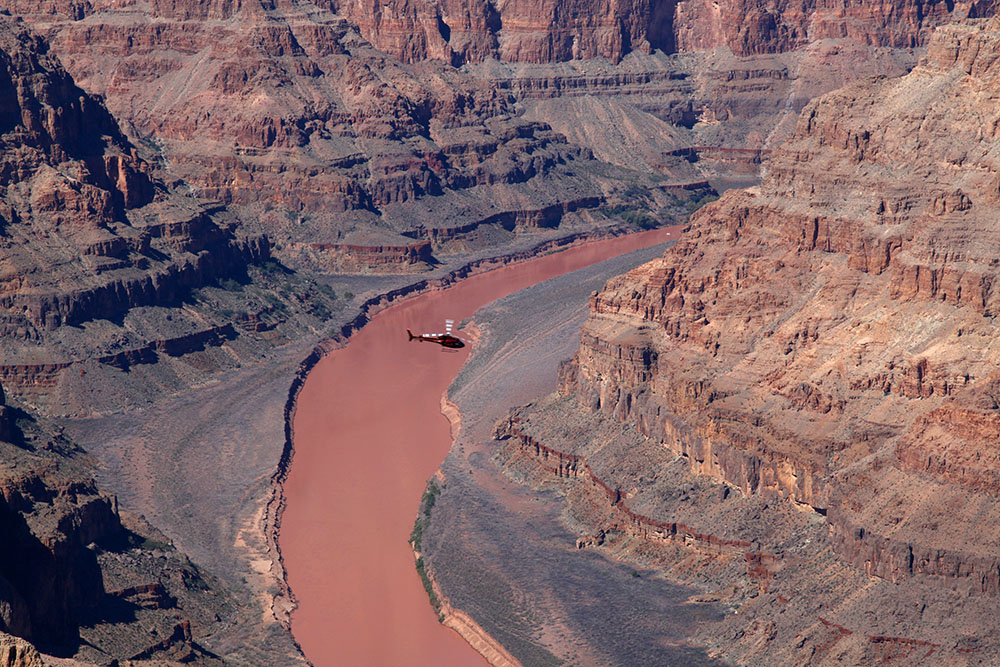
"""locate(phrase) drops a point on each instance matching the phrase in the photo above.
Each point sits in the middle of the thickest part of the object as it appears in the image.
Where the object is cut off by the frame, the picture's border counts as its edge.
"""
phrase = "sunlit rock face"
(461, 31)
(348, 124)
(830, 337)
(86, 232)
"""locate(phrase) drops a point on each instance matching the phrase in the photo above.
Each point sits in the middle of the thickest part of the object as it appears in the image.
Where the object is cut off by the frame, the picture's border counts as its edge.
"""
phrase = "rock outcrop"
(16, 652)
(719, 113)
(96, 251)
(51, 581)
(66, 551)
(290, 117)
(86, 233)
(738, 351)
(828, 338)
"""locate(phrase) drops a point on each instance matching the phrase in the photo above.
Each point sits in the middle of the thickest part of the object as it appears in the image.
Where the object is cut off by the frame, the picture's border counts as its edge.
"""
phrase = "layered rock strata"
(291, 116)
(87, 234)
(827, 339)
(288, 115)
(460, 31)
(796, 600)
(105, 268)
(718, 113)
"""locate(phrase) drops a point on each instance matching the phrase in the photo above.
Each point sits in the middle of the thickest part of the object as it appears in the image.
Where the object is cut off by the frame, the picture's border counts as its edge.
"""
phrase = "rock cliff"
(827, 340)
(97, 252)
(86, 233)
(18, 653)
(460, 31)
(739, 350)
(66, 552)
(719, 112)
(347, 125)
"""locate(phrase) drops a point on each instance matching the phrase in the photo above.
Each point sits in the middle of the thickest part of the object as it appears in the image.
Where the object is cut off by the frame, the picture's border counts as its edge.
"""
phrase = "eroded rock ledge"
(459, 31)
(796, 597)
(827, 338)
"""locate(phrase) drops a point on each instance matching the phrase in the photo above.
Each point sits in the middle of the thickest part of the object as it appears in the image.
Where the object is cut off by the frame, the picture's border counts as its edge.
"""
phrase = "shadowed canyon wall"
(79, 579)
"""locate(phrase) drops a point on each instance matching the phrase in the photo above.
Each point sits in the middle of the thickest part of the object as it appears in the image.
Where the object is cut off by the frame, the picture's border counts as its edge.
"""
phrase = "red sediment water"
(368, 434)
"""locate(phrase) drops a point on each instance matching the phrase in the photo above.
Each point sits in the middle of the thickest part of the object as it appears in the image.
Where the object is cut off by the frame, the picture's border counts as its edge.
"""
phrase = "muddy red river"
(368, 434)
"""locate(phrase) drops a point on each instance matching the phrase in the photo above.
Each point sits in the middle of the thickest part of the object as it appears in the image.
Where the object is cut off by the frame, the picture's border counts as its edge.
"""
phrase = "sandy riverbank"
(456, 619)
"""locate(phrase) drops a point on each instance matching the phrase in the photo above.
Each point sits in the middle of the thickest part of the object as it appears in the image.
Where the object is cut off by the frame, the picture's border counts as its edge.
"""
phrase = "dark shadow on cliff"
(44, 589)
(13, 423)
(112, 610)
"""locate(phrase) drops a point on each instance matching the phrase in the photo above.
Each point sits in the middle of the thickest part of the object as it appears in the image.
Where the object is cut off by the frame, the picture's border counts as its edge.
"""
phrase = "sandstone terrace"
(290, 115)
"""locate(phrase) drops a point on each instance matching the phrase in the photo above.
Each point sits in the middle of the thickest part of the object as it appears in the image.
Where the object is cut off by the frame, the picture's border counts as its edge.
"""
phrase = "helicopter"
(446, 339)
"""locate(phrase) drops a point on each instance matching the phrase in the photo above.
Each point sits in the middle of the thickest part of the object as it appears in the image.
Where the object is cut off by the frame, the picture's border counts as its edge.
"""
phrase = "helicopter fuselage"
(442, 339)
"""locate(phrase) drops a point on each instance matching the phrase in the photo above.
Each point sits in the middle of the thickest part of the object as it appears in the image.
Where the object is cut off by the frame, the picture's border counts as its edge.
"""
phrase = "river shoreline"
(284, 603)
(451, 617)
(505, 552)
(474, 635)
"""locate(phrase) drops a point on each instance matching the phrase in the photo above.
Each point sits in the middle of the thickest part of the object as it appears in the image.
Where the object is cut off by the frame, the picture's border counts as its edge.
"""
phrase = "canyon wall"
(289, 117)
(205, 137)
(104, 270)
(460, 31)
(74, 579)
(89, 235)
(347, 124)
(828, 338)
